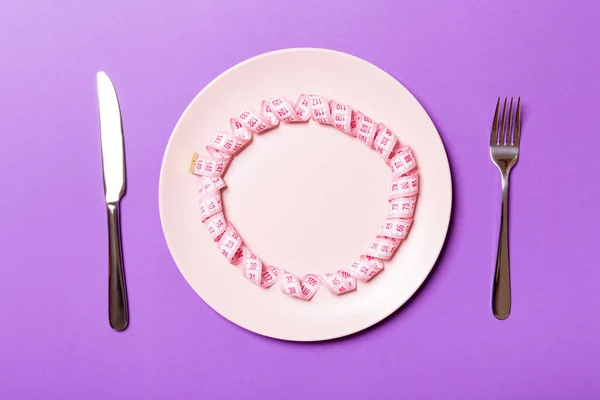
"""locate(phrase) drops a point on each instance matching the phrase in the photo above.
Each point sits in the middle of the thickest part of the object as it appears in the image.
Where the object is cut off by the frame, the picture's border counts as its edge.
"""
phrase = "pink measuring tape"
(221, 148)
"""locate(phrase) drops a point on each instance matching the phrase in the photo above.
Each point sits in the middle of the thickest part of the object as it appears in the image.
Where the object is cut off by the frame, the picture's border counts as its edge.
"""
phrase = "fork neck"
(505, 177)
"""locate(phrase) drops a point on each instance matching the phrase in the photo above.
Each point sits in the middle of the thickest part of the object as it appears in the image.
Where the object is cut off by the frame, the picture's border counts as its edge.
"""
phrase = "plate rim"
(447, 213)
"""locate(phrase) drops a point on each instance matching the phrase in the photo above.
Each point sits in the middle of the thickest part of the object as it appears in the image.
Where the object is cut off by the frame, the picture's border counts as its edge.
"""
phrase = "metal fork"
(504, 150)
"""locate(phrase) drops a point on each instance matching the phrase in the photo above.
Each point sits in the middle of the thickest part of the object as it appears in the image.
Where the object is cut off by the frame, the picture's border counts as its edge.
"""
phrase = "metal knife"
(113, 168)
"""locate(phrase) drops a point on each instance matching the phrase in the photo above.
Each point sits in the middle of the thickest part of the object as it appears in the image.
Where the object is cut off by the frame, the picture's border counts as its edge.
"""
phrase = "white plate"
(304, 197)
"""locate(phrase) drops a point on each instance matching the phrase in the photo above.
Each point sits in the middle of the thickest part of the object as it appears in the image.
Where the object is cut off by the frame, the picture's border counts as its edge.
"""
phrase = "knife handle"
(118, 312)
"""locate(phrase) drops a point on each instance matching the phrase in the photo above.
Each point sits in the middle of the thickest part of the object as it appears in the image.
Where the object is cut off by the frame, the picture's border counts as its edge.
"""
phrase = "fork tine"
(502, 118)
(494, 135)
(517, 138)
(509, 124)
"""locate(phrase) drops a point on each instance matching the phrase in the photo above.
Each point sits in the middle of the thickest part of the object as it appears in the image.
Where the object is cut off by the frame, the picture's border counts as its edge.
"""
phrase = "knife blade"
(113, 168)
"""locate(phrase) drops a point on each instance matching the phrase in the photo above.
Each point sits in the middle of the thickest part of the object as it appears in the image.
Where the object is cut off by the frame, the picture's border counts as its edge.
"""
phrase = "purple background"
(455, 56)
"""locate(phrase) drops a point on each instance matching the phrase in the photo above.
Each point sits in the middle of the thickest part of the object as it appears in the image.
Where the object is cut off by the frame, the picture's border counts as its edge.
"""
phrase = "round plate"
(305, 197)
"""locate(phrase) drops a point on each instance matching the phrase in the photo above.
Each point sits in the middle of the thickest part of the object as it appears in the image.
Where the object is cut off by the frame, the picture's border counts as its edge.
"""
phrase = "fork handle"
(118, 313)
(501, 290)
